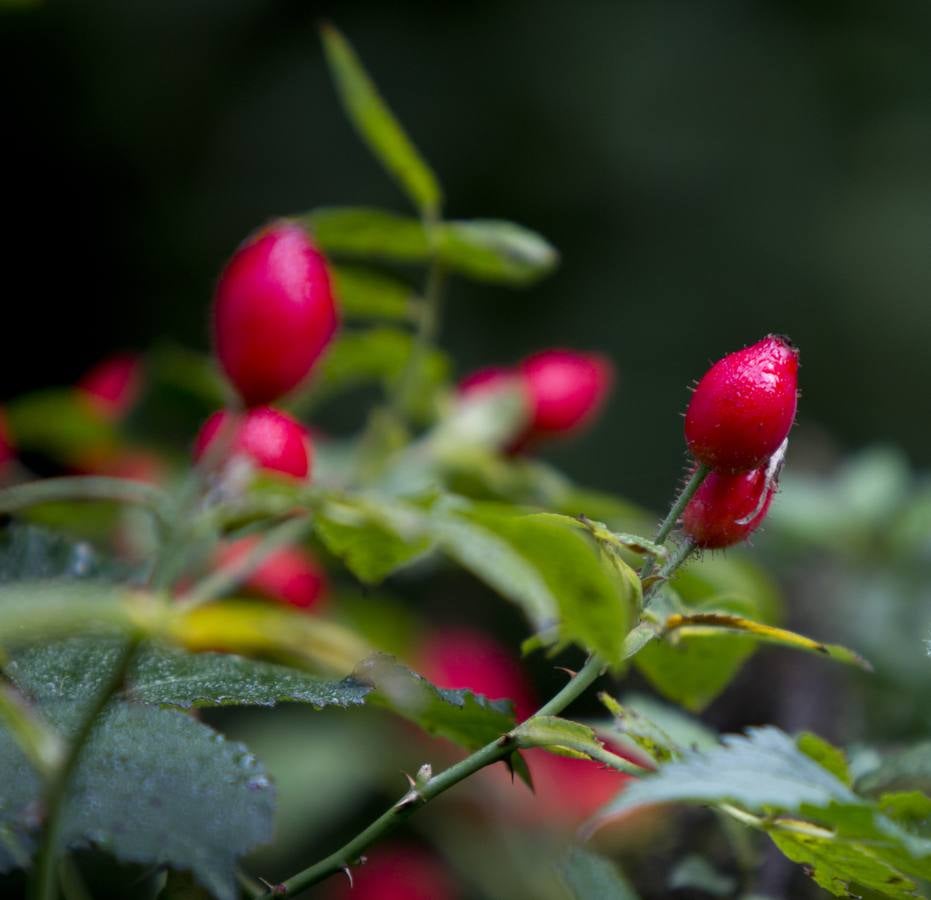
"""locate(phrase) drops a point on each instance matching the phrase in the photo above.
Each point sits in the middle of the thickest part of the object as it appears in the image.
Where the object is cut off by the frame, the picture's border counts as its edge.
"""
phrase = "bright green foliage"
(552, 572)
(368, 294)
(376, 125)
(484, 250)
(462, 717)
(826, 755)
(591, 877)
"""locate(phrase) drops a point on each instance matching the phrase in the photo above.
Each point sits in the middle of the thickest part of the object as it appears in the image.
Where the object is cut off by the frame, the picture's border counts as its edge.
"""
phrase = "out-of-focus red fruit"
(566, 389)
(134, 464)
(744, 406)
(396, 871)
(273, 313)
(728, 507)
(289, 575)
(489, 378)
(112, 386)
(465, 659)
(270, 438)
(7, 452)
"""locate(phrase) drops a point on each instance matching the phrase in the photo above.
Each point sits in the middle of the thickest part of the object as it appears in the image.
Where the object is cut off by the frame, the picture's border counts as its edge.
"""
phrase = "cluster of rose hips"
(737, 427)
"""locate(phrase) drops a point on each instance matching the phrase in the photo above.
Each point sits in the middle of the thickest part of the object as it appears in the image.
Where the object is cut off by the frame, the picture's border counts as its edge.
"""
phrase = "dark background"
(710, 172)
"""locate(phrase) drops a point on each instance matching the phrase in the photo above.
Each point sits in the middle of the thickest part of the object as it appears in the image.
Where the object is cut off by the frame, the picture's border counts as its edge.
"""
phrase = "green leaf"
(168, 677)
(497, 251)
(559, 736)
(463, 717)
(367, 294)
(28, 552)
(376, 125)
(21, 789)
(907, 770)
(911, 809)
(825, 754)
(484, 250)
(697, 873)
(591, 877)
(57, 422)
(370, 546)
(552, 572)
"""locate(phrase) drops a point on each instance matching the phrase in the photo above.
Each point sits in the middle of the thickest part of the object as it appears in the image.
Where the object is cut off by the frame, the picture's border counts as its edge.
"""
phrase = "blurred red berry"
(396, 871)
(460, 658)
(270, 438)
(289, 575)
(113, 385)
(744, 406)
(566, 389)
(274, 313)
(7, 451)
(728, 507)
(487, 379)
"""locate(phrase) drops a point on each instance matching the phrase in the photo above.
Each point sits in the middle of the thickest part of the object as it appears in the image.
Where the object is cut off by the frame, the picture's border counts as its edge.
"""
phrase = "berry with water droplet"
(728, 507)
(271, 439)
(744, 406)
(273, 313)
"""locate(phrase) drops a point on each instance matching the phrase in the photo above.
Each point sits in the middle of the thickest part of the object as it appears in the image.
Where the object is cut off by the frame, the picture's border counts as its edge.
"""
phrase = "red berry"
(274, 313)
(566, 389)
(396, 871)
(289, 575)
(489, 378)
(744, 406)
(465, 659)
(727, 507)
(113, 385)
(271, 439)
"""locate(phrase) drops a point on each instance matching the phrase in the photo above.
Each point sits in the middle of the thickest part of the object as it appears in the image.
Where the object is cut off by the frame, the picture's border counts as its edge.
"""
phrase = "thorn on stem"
(569, 672)
(348, 873)
(276, 890)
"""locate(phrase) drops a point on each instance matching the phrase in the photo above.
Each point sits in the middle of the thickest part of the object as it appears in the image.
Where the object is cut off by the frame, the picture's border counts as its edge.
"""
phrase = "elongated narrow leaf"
(463, 717)
(484, 250)
(555, 574)
(367, 294)
(591, 877)
(376, 124)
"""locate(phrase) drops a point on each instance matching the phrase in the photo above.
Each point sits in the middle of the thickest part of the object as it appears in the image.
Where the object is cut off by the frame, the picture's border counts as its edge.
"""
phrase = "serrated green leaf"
(58, 422)
(377, 126)
(911, 809)
(367, 294)
(166, 677)
(830, 757)
(484, 250)
(553, 573)
(591, 877)
(466, 718)
(368, 544)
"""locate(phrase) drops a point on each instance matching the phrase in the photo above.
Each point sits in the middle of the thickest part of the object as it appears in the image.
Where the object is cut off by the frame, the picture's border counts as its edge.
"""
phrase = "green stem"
(44, 886)
(84, 487)
(666, 526)
(225, 578)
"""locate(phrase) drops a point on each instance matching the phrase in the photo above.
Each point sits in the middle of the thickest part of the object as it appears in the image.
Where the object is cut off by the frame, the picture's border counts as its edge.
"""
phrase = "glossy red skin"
(290, 575)
(270, 438)
(395, 871)
(566, 389)
(113, 385)
(710, 517)
(744, 406)
(273, 314)
(7, 452)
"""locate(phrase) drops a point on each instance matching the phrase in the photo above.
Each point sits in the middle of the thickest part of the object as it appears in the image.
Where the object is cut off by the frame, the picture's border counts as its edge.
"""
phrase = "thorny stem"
(44, 886)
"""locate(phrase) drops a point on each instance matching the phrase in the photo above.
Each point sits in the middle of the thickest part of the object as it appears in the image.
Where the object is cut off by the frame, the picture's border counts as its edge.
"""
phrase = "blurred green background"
(710, 172)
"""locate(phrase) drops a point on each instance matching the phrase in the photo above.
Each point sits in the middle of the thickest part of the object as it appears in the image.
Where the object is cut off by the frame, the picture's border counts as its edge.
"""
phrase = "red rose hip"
(396, 871)
(744, 406)
(289, 575)
(270, 438)
(728, 507)
(273, 314)
(566, 389)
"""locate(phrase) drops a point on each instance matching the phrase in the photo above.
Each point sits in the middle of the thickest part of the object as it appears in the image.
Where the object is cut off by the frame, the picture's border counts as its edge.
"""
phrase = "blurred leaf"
(167, 677)
(19, 815)
(386, 622)
(478, 423)
(367, 294)
(697, 873)
(463, 717)
(58, 422)
(188, 371)
(37, 739)
(36, 553)
(369, 546)
(825, 754)
(909, 808)
(181, 886)
(553, 573)
(591, 877)
(481, 249)
(377, 126)
(907, 770)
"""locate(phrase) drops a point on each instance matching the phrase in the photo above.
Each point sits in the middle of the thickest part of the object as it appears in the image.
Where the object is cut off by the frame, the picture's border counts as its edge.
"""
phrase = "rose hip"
(728, 507)
(270, 438)
(744, 406)
(396, 871)
(274, 313)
